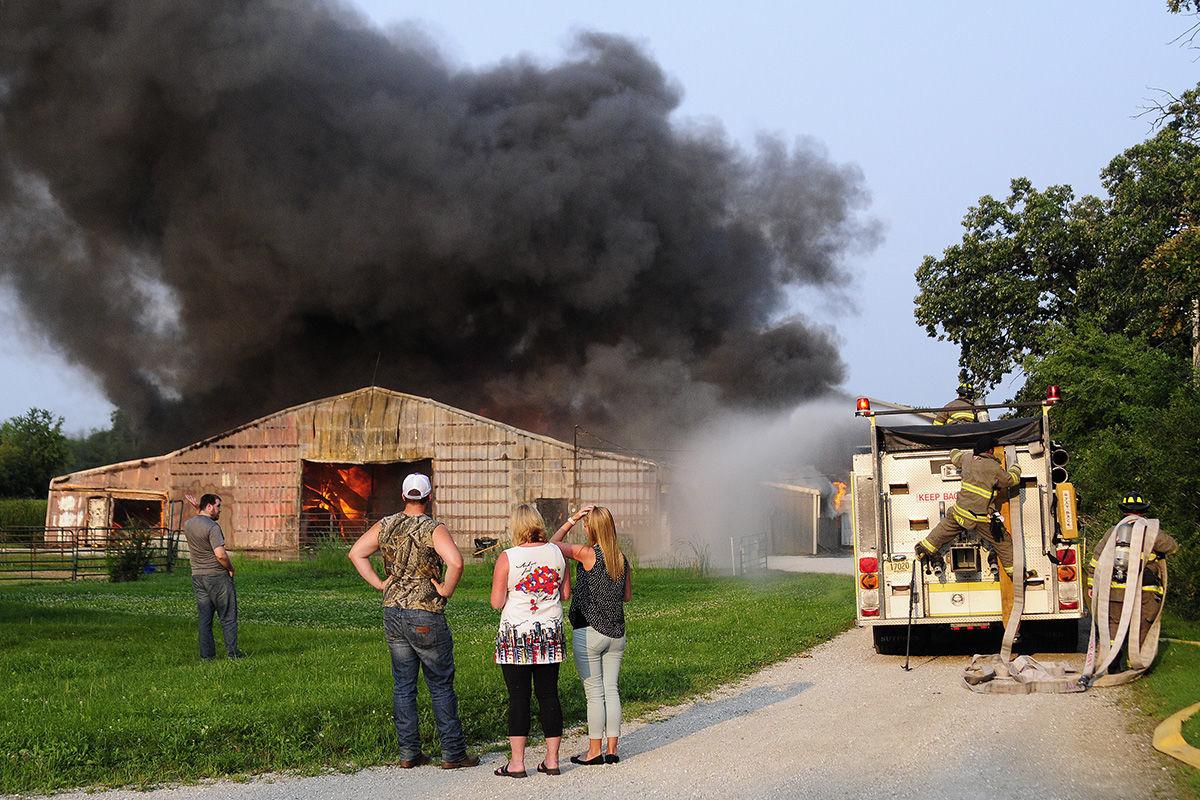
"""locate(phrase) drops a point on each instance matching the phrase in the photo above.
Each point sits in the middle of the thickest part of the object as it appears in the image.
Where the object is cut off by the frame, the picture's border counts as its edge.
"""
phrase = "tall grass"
(19, 512)
(102, 684)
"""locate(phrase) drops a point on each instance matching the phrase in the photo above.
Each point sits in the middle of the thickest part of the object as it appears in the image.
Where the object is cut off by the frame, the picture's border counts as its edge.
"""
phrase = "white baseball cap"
(417, 487)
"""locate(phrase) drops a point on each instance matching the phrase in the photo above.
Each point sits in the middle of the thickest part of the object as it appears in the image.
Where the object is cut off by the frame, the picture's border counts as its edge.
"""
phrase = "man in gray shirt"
(212, 578)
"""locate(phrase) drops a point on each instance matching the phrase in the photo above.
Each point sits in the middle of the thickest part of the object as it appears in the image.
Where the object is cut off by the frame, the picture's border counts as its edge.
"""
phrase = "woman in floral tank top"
(529, 583)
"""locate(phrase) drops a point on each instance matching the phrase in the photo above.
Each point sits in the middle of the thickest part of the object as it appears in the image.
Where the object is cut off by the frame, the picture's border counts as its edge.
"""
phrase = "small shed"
(332, 467)
(796, 525)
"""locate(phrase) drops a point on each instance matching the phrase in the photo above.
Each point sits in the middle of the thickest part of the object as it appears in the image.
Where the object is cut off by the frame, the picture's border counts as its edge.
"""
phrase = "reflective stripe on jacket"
(957, 410)
(982, 478)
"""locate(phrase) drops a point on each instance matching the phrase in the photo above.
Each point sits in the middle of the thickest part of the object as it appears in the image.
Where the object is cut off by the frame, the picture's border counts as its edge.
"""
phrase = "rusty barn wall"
(481, 469)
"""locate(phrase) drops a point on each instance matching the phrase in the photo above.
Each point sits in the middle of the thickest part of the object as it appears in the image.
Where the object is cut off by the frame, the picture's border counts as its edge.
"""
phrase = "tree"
(1014, 273)
(121, 441)
(1131, 421)
(1041, 257)
(33, 449)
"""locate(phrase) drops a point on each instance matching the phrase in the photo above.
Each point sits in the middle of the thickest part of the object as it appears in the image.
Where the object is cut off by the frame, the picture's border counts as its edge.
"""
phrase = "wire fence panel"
(749, 553)
(320, 529)
(56, 554)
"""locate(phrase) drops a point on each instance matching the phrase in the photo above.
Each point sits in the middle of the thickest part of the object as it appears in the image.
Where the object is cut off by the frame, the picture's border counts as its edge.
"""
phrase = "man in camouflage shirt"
(414, 548)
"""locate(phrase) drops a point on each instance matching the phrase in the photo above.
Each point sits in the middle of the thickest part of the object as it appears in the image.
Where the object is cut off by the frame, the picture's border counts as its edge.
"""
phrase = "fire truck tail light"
(868, 564)
(1066, 556)
(1066, 573)
(869, 600)
(869, 581)
(1068, 593)
(870, 612)
(1068, 605)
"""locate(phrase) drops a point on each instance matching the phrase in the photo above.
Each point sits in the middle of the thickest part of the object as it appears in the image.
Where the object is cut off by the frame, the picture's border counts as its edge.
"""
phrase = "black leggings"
(544, 677)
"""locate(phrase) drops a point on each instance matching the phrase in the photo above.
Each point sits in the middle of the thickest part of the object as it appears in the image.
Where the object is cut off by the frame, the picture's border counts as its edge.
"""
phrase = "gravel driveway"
(842, 722)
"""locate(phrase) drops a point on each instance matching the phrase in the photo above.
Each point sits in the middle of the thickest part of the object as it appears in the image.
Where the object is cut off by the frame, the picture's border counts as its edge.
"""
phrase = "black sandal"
(612, 758)
(548, 770)
(504, 773)
(588, 762)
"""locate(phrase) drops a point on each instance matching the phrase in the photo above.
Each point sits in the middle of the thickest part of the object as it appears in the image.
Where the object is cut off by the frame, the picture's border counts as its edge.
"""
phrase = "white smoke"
(720, 482)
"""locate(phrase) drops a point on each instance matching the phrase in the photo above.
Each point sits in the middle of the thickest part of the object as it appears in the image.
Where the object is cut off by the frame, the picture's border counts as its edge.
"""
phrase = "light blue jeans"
(598, 661)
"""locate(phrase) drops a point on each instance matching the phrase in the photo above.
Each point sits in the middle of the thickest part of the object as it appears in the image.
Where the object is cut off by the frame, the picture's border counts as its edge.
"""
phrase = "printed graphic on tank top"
(531, 624)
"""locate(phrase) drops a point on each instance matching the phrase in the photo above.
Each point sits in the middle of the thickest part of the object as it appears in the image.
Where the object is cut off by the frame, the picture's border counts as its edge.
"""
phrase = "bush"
(128, 554)
(22, 513)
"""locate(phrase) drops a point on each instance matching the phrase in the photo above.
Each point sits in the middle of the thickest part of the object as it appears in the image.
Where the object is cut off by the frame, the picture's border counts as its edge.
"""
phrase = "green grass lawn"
(100, 683)
(1174, 683)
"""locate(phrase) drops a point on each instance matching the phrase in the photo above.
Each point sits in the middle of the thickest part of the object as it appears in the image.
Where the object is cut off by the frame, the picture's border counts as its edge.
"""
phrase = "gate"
(61, 554)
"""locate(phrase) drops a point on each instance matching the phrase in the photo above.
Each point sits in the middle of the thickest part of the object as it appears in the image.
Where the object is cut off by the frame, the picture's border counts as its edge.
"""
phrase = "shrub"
(128, 554)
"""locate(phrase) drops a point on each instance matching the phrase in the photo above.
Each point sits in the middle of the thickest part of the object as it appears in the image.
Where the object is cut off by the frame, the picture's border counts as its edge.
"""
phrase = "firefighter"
(1133, 506)
(960, 409)
(983, 479)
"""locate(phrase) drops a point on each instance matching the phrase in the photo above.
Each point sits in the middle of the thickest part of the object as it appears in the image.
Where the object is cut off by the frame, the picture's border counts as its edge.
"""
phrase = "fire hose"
(1003, 674)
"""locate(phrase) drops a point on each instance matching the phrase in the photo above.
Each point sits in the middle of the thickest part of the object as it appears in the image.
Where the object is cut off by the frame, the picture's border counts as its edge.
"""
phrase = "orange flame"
(839, 499)
(341, 491)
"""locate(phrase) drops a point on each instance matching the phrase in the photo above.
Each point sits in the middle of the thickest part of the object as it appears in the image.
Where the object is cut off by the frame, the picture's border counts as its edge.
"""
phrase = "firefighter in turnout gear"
(1133, 506)
(960, 409)
(983, 481)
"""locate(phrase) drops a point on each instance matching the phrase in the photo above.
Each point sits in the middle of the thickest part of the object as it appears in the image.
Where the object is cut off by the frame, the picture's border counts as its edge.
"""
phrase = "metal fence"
(749, 553)
(317, 530)
(57, 554)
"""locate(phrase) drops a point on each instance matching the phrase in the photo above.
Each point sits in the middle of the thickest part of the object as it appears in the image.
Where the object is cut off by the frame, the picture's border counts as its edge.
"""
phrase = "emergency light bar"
(1053, 395)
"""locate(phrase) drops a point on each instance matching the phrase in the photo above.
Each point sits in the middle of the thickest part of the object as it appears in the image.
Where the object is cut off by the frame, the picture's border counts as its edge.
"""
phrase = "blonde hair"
(527, 525)
(603, 531)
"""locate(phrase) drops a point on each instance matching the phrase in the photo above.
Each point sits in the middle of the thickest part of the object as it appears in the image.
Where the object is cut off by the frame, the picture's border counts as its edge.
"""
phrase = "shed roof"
(139, 462)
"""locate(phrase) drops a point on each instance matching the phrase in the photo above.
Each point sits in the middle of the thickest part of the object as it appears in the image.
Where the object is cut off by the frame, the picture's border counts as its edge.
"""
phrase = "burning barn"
(331, 467)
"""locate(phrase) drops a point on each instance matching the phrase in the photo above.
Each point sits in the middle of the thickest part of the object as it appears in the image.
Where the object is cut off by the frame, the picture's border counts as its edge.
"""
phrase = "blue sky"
(936, 102)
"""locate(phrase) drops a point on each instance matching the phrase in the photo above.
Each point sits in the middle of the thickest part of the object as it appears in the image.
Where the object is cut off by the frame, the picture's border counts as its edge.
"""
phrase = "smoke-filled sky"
(247, 167)
(221, 209)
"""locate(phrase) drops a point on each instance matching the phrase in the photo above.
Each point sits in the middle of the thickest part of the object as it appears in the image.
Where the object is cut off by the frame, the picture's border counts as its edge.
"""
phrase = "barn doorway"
(339, 501)
(139, 513)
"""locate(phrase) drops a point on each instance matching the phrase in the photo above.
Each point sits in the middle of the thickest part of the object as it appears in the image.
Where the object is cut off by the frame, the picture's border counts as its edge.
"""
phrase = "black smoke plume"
(223, 207)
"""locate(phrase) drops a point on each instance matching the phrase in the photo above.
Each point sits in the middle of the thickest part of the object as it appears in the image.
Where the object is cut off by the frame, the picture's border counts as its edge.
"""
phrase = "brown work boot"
(408, 763)
(465, 761)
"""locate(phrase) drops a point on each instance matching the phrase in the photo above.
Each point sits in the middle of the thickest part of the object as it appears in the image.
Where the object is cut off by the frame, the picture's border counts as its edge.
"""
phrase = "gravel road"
(841, 722)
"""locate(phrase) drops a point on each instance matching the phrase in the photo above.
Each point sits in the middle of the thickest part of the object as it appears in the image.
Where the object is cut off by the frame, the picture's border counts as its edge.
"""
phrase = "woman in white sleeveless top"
(529, 583)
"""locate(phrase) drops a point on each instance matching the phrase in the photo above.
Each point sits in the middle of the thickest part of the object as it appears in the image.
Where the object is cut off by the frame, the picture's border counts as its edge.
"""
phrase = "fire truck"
(904, 482)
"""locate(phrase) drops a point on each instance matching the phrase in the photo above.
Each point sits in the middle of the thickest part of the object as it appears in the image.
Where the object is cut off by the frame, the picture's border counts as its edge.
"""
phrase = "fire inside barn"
(332, 467)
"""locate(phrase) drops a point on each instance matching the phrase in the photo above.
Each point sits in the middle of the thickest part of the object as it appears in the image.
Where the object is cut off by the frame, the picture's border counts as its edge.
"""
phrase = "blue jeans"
(215, 594)
(421, 640)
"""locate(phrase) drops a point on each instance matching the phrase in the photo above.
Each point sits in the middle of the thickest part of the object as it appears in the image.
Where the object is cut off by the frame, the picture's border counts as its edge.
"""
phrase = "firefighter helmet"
(985, 444)
(966, 391)
(1133, 503)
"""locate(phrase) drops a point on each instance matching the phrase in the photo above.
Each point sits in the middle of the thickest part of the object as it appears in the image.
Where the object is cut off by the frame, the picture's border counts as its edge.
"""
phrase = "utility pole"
(1196, 340)
(575, 472)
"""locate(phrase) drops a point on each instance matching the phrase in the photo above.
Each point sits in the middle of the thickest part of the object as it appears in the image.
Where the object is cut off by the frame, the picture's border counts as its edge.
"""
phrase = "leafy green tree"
(1131, 421)
(1013, 274)
(33, 449)
(1038, 258)
(121, 441)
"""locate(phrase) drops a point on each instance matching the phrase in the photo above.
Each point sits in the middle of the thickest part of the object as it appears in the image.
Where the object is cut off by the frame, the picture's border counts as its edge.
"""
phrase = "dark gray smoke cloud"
(224, 207)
